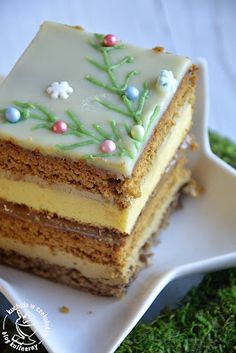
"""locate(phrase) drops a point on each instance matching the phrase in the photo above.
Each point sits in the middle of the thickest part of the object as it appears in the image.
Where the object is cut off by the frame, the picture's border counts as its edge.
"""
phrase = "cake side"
(106, 264)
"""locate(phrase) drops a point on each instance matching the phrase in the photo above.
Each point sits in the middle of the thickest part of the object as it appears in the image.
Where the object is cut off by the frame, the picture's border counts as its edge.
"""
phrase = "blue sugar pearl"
(132, 93)
(12, 115)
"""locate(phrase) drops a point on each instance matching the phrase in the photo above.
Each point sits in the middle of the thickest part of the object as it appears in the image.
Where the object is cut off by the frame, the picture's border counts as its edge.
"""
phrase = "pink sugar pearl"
(108, 146)
(109, 40)
(60, 127)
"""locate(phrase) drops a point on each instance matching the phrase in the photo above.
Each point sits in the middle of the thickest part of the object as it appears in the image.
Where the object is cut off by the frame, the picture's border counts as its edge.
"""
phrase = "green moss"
(223, 148)
(204, 322)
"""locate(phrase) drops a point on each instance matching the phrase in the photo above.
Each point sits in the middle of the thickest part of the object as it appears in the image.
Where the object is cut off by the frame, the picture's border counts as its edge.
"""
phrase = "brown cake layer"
(70, 277)
(21, 162)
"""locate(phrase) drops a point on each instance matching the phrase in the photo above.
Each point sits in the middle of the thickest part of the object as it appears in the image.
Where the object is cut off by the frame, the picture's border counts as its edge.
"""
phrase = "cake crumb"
(159, 49)
(193, 188)
(64, 309)
(79, 28)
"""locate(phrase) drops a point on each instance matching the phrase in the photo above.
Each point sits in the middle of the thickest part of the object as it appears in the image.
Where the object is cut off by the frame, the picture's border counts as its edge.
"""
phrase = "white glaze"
(58, 53)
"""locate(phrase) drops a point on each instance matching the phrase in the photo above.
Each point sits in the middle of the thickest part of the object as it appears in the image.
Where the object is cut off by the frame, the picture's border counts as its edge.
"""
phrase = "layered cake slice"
(93, 134)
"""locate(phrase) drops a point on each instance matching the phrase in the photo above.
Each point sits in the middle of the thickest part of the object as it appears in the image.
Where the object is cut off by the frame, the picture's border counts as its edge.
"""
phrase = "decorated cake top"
(83, 95)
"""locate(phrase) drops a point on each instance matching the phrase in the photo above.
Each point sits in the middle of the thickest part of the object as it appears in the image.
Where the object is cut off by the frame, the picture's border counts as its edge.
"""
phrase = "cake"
(93, 140)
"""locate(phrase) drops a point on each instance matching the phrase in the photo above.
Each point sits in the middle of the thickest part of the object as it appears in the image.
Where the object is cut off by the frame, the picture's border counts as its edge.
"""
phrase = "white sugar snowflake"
(59, 90)
(166, 81)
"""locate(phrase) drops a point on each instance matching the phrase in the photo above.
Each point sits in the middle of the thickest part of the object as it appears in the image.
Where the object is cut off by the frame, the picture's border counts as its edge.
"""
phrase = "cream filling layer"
(86, 210)
(85, 266)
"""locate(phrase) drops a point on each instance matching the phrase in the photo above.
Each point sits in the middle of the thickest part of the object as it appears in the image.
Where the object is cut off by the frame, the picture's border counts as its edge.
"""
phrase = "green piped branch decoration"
(109, 140)
(133, 100)
(123, 139)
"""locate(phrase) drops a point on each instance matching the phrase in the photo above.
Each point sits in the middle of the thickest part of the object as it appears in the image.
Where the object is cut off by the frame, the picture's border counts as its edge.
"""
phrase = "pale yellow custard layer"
(87, 210)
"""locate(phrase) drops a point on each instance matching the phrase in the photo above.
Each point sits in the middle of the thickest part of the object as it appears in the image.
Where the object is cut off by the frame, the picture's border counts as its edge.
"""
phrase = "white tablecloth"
(191, 27)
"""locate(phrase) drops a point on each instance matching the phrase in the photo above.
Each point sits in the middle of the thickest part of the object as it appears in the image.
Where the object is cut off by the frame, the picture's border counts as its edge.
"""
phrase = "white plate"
(201, 237)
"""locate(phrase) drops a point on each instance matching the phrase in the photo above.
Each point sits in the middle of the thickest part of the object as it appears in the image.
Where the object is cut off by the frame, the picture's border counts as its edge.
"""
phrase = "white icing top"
(59, 53)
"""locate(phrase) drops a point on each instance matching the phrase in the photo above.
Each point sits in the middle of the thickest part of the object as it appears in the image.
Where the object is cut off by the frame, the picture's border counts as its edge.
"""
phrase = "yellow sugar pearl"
(137, 132)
